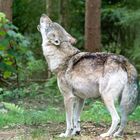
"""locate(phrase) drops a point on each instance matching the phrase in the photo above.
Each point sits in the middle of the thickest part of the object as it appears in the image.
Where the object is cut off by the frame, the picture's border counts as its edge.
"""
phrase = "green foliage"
(19, 93)
(13, 48)
(27, 19)
(51, 86)
(120, 29)
(36, 65)
(48, 90)
(27, 13)
(35, 44)
(14, 108)
(132, 4)
(111, 30)
(35, 70)
(119, 21)
(77, 21)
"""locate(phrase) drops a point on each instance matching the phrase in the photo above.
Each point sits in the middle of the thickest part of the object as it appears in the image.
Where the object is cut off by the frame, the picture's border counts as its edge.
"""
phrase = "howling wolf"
(83, 75)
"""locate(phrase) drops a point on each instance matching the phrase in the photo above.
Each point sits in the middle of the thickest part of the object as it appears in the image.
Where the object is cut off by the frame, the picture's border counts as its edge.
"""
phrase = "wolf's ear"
(71, 39)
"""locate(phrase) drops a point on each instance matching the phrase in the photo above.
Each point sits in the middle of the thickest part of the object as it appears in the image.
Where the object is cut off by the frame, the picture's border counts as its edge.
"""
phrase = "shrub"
(13, 50)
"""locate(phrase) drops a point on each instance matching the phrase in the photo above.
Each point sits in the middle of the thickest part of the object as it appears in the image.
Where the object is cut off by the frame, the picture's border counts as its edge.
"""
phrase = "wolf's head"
(53, 31)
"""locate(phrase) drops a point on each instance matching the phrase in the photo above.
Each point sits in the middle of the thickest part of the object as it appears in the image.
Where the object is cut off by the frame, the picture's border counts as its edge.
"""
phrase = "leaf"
(4, 43)
(2, 33)
(13, 27)
(1, 53)
(11, 33)
(2, 15)
(13, 107)
(7, 74)
(6, 67)
(8, 62)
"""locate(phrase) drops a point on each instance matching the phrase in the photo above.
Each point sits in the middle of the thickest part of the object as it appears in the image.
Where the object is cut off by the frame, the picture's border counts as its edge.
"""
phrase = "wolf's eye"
(56, 41)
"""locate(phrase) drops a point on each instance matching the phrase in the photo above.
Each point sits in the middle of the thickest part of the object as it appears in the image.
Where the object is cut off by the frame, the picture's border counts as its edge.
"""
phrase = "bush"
(13, 49)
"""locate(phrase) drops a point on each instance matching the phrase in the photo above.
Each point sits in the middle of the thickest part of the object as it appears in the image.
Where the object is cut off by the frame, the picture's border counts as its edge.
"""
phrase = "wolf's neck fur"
(57, 56)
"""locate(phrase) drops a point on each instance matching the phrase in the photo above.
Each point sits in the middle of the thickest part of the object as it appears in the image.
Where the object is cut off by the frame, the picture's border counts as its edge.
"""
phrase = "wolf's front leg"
(69, 102)
(77, 111)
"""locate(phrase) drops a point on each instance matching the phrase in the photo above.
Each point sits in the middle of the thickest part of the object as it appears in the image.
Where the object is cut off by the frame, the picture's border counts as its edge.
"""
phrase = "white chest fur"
(55, 58)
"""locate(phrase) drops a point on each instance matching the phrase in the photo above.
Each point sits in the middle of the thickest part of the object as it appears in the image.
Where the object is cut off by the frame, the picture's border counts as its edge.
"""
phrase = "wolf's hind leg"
(77, 111)
(109, 102)
(123, 122)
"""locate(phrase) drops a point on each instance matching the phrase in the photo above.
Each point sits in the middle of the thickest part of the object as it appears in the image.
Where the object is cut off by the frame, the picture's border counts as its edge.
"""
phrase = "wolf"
(82, 75)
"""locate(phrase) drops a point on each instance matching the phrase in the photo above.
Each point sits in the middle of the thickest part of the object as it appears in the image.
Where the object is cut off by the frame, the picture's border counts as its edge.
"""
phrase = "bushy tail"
(131, 94)
(129, 101)
(130, 97)
(133, 81)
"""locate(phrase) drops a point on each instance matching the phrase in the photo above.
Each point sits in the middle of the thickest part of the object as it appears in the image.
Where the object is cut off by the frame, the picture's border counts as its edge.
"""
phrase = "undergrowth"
(17, 115)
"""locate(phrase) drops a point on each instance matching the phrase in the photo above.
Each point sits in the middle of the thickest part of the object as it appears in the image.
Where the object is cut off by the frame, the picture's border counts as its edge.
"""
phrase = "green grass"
(96, 112)
(135, 116)
(20, 116)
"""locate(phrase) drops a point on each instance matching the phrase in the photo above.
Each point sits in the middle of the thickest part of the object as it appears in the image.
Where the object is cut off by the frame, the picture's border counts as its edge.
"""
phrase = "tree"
(6, 7)
(64, 13)
(53, 9)
(92, 26)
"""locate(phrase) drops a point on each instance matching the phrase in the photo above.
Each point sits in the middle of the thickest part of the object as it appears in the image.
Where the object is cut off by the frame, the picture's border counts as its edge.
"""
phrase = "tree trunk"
(53, 8)
(58, 10)
(92, 26)
(64, 13)
(6, 7)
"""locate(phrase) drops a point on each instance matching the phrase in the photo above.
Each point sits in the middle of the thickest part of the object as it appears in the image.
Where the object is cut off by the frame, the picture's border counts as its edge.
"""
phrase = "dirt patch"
(50, 131)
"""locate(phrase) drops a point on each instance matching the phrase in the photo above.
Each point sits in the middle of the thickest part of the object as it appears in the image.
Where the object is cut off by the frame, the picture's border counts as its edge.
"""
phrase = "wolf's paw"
(104, 135)
(75, 132)
(117, 134)
(63, 135)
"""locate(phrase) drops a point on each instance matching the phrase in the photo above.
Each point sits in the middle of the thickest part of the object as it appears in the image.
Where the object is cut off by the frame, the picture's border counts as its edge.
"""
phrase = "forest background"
(27, 88)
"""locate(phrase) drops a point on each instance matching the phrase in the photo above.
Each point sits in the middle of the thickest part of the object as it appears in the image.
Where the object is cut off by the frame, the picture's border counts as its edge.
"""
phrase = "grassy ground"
(39, 122)
(16, 115)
